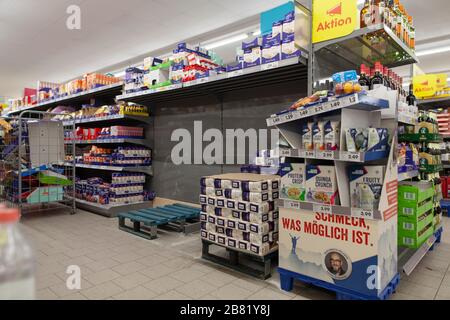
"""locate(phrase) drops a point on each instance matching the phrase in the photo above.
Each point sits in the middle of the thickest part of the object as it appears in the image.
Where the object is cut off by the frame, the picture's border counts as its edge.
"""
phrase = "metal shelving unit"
(141, 142)
(146, 170)
(112, 210)
(353, 101)
(273, 73)
(434, 103)
(363, 46)
(104, 91)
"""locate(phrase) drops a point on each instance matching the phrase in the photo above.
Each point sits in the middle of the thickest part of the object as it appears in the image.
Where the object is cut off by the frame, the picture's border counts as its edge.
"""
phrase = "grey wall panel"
(238, 109)
(250, 108)
(181, 182)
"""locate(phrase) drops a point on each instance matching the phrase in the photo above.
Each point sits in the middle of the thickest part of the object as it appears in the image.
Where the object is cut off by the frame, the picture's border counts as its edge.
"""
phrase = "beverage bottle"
(364, 80)
(16, 259)
(412, 34)
(366, 14)
(380, 8)
(377, 80)
(387, 82)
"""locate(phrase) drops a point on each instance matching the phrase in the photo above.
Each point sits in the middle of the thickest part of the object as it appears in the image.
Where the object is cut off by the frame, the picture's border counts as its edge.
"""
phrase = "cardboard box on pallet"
(239, 211)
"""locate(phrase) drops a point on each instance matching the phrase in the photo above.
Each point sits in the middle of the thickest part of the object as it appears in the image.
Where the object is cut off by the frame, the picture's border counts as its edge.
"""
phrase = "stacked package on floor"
(239, 211)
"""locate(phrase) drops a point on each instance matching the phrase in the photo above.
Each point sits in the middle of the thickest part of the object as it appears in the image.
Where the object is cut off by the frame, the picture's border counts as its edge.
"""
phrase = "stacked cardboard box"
(239, 211)
(415, 210)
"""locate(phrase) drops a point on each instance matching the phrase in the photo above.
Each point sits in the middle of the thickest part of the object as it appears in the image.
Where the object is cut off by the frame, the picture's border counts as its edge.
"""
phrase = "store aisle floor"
(117, 265)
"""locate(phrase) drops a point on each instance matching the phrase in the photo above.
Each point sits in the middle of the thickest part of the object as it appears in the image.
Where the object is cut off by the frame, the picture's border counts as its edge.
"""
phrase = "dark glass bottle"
(377, 79)
(411, 98)
(387, 82)
(364, 80)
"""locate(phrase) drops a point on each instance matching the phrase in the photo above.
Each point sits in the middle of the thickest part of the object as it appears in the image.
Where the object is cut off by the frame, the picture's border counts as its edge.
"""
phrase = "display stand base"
(445, 205)
(287, 283)
(145, 222)
(262, 268)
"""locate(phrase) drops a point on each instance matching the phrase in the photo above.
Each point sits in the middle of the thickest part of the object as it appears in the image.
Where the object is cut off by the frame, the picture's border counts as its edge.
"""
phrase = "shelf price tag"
(289, 117)
(350, 100)
(326, 155)
(293, 205)
(322, 208)
(302, 113)
(235, 73)
(362, 213)
(268, 66)
(274, 121)
(285, 152)
(351, 156)
(310, 154)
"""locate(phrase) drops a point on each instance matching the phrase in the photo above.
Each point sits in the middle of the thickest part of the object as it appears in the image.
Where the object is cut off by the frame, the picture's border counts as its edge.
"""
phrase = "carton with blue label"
(366, 184)
(321, 184)
(293, 181)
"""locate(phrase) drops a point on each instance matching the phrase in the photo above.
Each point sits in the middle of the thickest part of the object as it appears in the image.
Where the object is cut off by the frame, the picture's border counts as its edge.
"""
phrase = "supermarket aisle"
(117, 265)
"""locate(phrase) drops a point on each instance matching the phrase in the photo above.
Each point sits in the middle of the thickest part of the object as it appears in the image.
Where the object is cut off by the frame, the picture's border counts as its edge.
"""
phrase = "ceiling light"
(432, 51)
(119, 74)
(226, 41)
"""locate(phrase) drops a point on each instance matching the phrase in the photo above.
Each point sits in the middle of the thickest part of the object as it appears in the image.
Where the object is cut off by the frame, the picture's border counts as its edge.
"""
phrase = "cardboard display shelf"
(353, 102)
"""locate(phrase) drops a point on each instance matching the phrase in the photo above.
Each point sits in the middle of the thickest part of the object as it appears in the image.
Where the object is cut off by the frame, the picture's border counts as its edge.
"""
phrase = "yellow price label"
(333, 19)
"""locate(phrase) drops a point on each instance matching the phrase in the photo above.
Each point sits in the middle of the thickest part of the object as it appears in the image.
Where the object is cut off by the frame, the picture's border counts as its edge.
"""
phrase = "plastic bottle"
(16, 259)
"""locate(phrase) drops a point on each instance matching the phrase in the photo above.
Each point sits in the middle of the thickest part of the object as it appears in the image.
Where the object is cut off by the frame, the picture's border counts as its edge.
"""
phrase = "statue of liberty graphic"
(294, 243)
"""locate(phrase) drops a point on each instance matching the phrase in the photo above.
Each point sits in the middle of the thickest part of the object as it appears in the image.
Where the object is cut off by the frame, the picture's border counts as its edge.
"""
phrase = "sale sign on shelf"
(425, 85)
(333, 19)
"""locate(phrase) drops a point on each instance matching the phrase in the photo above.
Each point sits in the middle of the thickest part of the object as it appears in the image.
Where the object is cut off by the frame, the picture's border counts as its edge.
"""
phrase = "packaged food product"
(293, 182)
(366, 184)
(332, 135)
(307, 136)
(321, 184)
(318, 135)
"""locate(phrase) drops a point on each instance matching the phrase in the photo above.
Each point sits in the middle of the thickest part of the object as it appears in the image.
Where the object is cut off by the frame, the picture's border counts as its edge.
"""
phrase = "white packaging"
(255, 196)
(366, 183)
(263, 207)
(307, 136)
(231, 242)
(318, 136)
(231, 204)
(262, 228)
(255, 186)
(222, 240)
(222, 184)
(260, 250)
(221, 202)
(221, 222)
(254, 217)
(243, 245)
(243, 226)
(232, 223)
(234, 194)
(332, 135)
(204, 234)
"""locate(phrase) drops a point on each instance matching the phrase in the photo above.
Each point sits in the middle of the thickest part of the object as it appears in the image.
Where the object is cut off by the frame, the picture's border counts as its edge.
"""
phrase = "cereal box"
(293, 182)
(321, 184)
(366, 183)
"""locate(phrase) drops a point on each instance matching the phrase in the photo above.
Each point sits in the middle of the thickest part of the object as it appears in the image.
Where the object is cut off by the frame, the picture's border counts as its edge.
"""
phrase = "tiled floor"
(117, 265)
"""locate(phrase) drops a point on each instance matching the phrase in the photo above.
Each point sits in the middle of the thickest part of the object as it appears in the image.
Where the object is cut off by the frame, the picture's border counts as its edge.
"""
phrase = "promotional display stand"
(329, 241)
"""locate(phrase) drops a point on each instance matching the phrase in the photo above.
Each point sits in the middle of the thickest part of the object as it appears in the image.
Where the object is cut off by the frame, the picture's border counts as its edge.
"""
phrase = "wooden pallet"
(145, 222)
(264, 263)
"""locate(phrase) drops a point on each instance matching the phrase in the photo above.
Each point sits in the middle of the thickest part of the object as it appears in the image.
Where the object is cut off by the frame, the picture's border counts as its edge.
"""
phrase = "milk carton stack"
(239, 211)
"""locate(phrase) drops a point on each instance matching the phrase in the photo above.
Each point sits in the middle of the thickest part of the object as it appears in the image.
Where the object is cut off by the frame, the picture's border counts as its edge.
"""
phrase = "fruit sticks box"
(293, 181)
(321, 184)
(366, 184)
